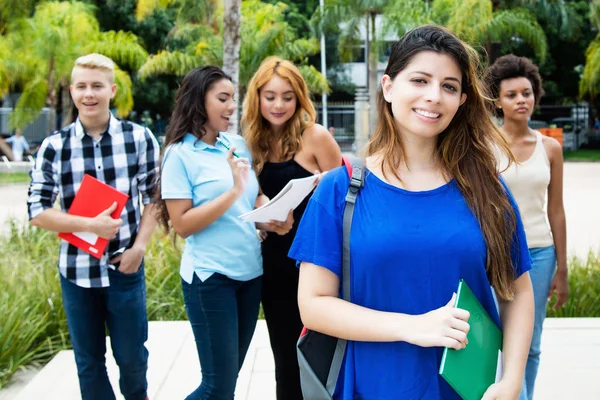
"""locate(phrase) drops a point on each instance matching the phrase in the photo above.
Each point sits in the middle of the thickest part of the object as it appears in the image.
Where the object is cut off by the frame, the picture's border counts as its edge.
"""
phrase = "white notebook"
(287, 199)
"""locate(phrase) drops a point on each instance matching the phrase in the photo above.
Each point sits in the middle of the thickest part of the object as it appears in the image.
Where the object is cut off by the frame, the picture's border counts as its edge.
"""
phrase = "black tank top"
(273, 178)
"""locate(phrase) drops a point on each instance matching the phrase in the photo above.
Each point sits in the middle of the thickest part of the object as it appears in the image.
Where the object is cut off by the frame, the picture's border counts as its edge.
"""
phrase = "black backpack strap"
(357, 182)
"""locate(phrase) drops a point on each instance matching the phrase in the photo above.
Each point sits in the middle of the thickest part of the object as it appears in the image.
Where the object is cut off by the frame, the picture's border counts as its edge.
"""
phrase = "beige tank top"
(528, 182)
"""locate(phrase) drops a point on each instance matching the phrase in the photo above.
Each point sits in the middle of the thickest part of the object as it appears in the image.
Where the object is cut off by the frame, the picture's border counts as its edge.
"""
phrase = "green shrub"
(33, 326)
(584, 290)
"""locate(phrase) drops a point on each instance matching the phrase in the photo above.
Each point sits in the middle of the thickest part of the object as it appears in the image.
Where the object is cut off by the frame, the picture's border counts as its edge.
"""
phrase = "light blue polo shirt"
(193, 169)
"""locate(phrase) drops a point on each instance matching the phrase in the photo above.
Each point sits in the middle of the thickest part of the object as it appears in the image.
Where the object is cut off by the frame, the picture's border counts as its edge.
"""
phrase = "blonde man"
(109, 292)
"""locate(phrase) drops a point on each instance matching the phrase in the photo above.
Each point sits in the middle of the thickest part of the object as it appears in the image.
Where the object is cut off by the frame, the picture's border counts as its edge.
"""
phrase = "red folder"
(92, 198)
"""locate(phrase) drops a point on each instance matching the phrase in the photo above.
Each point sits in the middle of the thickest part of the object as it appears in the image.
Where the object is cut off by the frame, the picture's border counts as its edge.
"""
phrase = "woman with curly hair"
(536, 182)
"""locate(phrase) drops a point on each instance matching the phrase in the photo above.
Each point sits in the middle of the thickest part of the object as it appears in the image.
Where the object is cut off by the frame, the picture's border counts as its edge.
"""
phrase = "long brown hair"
(465, 148)
(257, 131)
(189, 116)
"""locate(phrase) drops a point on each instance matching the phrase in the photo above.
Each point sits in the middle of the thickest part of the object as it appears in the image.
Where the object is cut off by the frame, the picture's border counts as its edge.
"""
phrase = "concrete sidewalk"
(569, 369)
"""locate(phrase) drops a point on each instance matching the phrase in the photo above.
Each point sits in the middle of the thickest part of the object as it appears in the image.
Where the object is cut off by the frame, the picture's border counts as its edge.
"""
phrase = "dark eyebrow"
(225, 93)
(448, 78)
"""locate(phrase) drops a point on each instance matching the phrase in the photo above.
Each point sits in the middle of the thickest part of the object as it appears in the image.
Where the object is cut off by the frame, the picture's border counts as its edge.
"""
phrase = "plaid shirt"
(125, 157)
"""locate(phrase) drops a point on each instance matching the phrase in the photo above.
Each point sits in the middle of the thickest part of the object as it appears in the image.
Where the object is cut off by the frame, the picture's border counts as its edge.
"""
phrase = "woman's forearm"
(339, 318)
(517, 322)
(195, 219)
(558, 226)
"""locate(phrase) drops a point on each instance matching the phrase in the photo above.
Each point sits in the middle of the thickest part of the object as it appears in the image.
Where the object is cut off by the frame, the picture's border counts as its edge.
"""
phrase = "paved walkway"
(569, 369)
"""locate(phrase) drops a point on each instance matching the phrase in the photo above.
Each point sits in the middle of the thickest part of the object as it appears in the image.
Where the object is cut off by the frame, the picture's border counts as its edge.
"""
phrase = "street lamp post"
(323, 71)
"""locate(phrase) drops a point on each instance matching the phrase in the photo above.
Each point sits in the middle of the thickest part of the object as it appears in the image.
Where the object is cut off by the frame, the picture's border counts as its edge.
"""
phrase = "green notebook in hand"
(470, 371)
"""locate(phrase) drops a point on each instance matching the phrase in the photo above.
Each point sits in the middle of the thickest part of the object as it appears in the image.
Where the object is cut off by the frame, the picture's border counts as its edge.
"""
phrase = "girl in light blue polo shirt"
(204, 188)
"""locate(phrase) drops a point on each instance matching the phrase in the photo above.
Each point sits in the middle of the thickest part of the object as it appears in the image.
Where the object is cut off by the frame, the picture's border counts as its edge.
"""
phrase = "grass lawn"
(582, 155)
(14, 177)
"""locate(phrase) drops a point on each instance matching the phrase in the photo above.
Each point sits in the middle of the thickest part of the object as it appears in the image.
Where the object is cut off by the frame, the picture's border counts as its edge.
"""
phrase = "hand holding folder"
(472, 370)
(93, 199)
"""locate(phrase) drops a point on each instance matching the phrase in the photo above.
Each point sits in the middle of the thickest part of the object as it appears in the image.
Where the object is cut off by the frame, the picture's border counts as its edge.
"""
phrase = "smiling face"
(277, 101)
(516, 99)
(219, 106)
(425, 95)
(91, 90)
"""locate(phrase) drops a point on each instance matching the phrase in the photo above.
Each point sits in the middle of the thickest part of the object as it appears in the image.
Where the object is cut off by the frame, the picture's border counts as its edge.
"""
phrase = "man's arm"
(131, 259)
(43, 191)
(148, 152)
(55, 220)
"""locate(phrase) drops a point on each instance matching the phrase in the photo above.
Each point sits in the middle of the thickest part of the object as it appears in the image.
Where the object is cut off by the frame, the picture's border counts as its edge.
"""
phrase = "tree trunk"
(373, 81)
(231, 53)
(493, 50)
(52, 99)
(67, 106)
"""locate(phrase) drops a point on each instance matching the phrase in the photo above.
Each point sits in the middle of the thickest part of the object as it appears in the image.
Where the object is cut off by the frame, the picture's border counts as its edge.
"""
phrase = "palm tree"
(44, 48)
(484, 23)
(13, 9)
(263, 32)
(231, 51)
(476, 21)
(590, 81)
(356, 18)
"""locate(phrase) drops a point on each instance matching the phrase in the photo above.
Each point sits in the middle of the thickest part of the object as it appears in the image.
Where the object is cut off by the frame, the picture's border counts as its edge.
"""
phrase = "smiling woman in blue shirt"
(204, 187)
(433, 210)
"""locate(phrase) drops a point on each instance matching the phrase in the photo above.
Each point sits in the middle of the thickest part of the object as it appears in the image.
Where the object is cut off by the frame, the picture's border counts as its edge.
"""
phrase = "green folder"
(470, 371)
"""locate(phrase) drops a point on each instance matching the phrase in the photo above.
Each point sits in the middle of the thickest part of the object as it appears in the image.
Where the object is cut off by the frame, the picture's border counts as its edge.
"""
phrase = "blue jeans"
(542, 271)
(223, 315)
(122, 308)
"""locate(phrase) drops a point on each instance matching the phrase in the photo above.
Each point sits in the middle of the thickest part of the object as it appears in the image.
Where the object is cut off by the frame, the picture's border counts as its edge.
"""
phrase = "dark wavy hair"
(511, 66)
(466, 148)
(189, 116)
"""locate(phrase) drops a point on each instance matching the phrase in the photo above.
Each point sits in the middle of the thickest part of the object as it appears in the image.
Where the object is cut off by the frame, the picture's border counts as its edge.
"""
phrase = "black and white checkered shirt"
(125, 157)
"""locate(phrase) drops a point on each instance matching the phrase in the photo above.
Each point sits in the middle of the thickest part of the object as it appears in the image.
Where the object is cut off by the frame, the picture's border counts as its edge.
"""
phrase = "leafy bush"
(33, 326)
(584, 289)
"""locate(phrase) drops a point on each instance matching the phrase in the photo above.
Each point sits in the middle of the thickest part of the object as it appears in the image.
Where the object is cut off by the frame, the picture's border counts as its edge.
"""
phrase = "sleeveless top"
(273, 178)
(528, 182)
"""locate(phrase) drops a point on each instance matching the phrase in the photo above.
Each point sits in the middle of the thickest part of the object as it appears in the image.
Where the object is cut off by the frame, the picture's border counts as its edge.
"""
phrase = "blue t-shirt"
(193, 169)
(408, 252)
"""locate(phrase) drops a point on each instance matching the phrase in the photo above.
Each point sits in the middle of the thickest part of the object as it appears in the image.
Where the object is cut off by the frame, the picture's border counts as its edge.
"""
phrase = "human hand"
(279, 227)
(262, 235)
(104, 225)
(130, 261)
(502, 390)
(320, 176)
(560, 285)
(239, 169)
(446, 326)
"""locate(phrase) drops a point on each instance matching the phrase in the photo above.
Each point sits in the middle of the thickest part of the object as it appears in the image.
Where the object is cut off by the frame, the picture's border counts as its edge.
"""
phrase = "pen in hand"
(219, 140)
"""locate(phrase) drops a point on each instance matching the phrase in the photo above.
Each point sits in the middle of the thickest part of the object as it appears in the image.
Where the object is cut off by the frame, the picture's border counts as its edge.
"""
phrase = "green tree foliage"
(14, 9)
(590, 81)
(264, 32)
(568, 33)
(40, 52)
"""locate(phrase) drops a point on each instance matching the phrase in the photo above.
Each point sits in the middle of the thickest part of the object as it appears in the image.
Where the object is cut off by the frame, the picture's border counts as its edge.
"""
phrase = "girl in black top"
(278, 123)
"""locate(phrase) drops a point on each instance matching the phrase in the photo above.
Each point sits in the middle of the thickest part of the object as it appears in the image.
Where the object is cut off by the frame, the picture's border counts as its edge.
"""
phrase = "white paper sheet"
(287, 199)
(88, 237)
(499, 367)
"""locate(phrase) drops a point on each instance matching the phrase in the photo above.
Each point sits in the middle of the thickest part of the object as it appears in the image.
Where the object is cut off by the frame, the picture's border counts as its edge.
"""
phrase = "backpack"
(320, 356)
